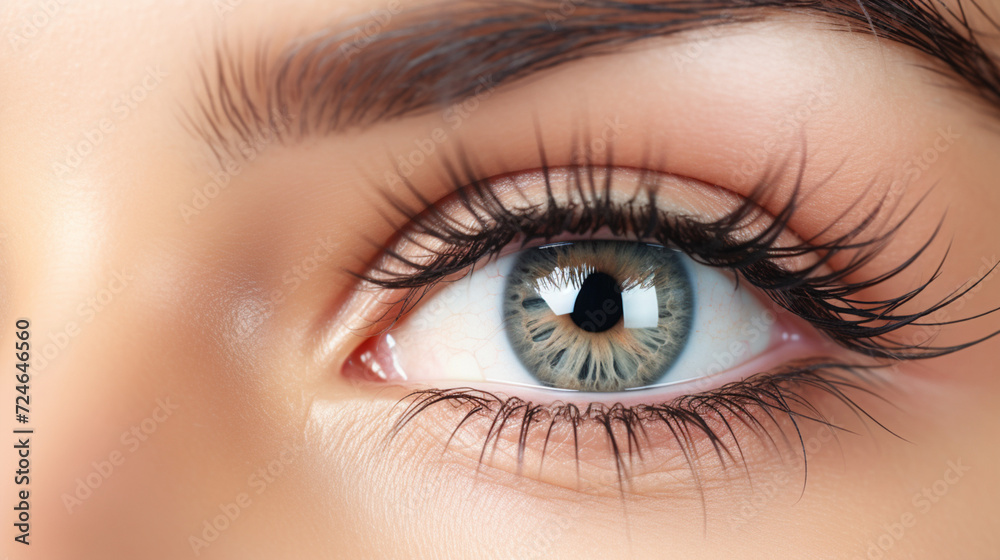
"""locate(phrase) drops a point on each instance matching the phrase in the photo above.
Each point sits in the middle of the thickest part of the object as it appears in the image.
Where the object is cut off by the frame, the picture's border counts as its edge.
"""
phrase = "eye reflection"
(598, 316)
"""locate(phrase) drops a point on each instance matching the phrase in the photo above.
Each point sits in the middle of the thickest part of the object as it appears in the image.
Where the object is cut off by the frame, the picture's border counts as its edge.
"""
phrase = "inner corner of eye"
(582, 319)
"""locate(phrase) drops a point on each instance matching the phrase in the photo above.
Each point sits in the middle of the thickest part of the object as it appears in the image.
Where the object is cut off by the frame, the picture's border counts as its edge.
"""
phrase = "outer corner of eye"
(589, 321)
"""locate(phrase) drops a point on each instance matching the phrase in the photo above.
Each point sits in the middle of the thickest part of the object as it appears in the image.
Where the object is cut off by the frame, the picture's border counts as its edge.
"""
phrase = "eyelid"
(677, 196)
(745, 424)
(684, 198)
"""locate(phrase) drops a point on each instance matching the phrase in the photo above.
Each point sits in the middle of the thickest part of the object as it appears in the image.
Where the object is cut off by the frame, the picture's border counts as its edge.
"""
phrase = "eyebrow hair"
(428, 57)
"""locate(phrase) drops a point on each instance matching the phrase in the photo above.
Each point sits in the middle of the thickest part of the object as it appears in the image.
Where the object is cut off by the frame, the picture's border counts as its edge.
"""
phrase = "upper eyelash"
(826, 300)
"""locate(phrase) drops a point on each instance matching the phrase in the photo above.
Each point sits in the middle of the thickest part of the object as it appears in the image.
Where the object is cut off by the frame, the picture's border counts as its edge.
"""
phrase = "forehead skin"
(163, 364)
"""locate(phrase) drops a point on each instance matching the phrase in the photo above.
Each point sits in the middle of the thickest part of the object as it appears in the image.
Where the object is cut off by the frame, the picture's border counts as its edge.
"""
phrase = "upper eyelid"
(470, 213)
(310, 86)
(833, 304)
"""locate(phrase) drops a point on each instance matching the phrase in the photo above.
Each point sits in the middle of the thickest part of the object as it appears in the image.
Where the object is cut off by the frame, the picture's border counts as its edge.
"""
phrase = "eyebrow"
(393, 63)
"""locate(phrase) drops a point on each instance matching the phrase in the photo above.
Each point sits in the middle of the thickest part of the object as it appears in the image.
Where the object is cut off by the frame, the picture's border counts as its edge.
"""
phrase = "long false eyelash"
(827, 300)
(755, 403)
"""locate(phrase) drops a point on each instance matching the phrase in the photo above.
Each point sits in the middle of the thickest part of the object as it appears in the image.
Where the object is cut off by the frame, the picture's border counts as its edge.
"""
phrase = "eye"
(595, 311)
(590, 316)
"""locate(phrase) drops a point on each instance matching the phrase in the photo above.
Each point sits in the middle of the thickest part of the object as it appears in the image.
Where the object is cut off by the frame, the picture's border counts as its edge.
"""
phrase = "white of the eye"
(458, 336)
(730, 326)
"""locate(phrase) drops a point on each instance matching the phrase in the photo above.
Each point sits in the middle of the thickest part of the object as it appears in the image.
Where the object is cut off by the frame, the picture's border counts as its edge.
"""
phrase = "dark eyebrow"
(394, 63)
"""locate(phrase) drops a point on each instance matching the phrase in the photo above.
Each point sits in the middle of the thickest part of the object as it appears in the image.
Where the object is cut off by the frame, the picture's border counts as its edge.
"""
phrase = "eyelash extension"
(756, 402)
(827, 300)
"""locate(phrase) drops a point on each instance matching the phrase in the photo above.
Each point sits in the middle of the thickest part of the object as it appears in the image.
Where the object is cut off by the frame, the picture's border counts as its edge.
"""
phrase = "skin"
(176, 362)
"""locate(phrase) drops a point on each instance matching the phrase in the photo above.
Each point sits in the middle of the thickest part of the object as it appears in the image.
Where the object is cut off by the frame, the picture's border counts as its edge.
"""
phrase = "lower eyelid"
(584, 465)
(649, 459)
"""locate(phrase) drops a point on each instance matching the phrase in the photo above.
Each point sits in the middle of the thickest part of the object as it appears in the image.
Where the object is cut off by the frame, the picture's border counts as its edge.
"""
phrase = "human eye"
(598, 315)
(593, 316)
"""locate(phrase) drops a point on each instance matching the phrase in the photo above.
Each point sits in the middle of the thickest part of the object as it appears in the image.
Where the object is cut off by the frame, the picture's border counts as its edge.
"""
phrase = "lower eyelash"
(755, 403)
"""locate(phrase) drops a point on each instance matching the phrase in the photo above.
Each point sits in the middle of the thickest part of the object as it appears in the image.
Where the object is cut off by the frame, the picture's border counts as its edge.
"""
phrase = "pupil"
(598, 306)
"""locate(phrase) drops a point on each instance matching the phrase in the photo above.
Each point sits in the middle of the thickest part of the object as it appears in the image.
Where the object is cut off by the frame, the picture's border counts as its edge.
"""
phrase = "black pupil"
(598, 306)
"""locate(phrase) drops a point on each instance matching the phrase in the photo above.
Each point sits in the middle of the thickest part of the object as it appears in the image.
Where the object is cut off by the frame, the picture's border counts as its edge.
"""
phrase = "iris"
(598, 315)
